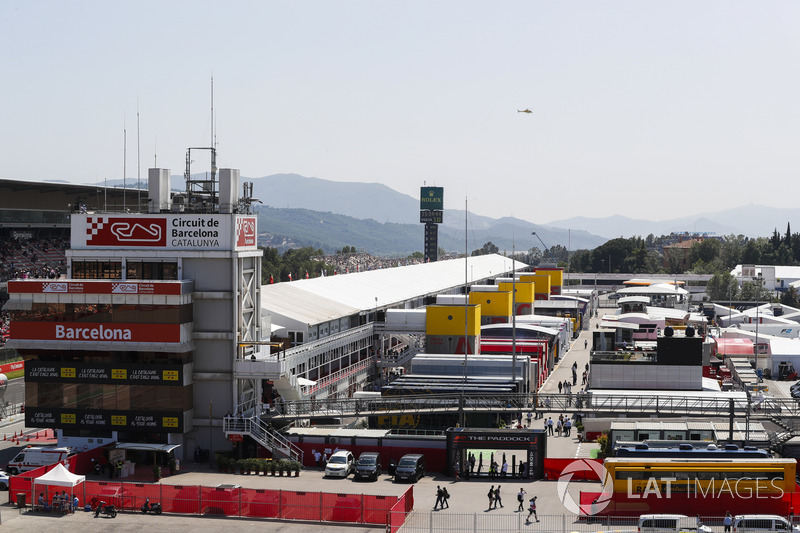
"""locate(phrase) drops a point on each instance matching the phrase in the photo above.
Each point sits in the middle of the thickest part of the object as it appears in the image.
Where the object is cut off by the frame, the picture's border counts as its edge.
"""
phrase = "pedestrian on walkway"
(550, 425)
(559, 425)
(567, 427)
(560, 385)
(521, 499)
(445, 497)
(471, 463)
(727, 522)
(529, 416)
(532, 511)
(503, 470)
(585, 344)
(491, 497)
(439, 498)
(457, 469)
(497, 498)
(584, 378)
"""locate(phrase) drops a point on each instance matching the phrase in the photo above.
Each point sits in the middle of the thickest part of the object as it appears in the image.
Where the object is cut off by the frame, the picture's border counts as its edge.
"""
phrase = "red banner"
(246, 232)
(92, 332)
(8, 367)
(94, 287)
(126, 231)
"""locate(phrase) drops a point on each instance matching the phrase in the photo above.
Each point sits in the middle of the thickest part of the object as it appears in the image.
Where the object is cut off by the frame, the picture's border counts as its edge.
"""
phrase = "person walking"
(558, 427)
(585, 343)
(560, 386)
(521, 499)
(728, 522)
(439, 498)
(497, 498)
(457, 469)
(491, 497)
(471, 463)
(445, 497)
(550, 425)
(567, 427)
(503, 470)
(529, 416)
(532, 511)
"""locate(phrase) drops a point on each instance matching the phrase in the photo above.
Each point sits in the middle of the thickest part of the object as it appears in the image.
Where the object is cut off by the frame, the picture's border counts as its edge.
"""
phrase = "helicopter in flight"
(524, 111)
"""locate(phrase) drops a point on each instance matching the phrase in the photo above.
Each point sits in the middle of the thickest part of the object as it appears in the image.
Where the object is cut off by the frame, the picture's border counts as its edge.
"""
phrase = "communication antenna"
(138, 164)
(124, 162)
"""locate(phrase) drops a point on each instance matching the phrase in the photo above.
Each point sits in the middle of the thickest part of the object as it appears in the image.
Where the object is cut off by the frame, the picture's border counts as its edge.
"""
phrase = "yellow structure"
(556, 278)
(525, 295)
(445, 327)
(541, 283)
(495, 305)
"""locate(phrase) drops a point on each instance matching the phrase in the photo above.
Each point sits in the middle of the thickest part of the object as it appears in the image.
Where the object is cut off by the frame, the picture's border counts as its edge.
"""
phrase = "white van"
(670, 523)
(36, 456)
(762, 523)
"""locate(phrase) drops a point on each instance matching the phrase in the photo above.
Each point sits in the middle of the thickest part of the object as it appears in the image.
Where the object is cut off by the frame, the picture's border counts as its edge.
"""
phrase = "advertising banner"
(431, 198)
(92, 332)
(161, 231)
(149, 421)
(246, 235)
(96, 287)
(105, 373)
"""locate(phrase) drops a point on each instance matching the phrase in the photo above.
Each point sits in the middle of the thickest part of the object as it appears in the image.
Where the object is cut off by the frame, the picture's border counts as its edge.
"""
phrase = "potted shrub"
(296, 467)
(173, 465)
(156, 473)
(222, 462)
(283, 466)
(271, 467)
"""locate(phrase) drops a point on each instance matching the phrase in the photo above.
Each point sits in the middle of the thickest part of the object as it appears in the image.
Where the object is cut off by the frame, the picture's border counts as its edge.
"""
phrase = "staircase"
(253, 427)
(789, 428)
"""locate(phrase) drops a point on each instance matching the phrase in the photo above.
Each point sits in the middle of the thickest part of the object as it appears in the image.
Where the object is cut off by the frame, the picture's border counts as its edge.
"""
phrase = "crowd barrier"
(224, 500)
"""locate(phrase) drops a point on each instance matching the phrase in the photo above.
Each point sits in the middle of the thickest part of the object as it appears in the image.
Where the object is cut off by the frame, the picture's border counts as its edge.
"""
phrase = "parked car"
(3, 480)
(670, 523)
(762, 523)
(340, 464)
(368, 466)
(410, 467)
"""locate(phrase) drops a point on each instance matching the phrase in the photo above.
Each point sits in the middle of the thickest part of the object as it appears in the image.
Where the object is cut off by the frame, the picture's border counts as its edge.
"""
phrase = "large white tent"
(60, 477)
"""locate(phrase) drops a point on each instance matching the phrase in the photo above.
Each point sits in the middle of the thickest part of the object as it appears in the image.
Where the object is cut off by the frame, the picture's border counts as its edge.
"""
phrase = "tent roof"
(60, 476)
(146, 446)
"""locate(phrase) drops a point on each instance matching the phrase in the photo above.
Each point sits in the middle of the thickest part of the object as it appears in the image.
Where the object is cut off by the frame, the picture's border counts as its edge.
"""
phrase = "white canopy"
(60, 476)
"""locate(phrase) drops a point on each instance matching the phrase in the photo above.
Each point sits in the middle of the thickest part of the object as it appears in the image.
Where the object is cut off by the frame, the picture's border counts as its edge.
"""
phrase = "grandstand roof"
(317, 300)
(37, 195)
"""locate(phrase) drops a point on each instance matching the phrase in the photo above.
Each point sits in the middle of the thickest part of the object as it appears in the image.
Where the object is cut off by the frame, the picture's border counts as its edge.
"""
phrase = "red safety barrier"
(554, 467)
(226, 500)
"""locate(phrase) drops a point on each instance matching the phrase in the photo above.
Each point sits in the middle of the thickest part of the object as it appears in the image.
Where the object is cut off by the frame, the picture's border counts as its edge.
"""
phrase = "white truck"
(35, 456)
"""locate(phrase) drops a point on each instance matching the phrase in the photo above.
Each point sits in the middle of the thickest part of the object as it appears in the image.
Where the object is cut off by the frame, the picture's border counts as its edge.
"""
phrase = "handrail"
(585, 402)
(269, 438)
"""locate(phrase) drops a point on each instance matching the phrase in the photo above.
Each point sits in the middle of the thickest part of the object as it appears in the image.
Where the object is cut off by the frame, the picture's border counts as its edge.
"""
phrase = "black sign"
(105, 373)
(431, 242)
(150, 421)
(431, 217)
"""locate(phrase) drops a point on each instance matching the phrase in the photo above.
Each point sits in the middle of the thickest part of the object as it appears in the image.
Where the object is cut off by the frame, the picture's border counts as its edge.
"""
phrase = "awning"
(303, 382)
(147, 447)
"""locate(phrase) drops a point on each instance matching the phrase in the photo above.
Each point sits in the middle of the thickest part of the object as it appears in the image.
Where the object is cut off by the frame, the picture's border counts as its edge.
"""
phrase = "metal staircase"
(253, 427)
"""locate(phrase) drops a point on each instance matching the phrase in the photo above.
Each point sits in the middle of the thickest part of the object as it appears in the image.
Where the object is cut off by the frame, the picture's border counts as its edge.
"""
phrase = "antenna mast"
(138, 165)
(124, 164)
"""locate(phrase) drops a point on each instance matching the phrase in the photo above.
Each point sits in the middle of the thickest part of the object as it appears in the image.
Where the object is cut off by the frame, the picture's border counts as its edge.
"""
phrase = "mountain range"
(303, 211)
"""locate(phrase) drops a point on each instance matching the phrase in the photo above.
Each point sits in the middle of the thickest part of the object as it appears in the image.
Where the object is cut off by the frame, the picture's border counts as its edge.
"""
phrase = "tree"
(706, 250)
(486, 249)
(722, 287)
(790, 297)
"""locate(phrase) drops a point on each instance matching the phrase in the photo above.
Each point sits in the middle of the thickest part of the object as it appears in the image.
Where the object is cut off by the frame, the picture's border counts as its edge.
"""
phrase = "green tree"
(706, 250)
(486, 249)
(790, 297)
(722, 287)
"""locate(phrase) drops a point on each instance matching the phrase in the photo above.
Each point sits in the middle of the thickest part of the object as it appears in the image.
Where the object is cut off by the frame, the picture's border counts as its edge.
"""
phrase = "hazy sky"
(648, 109)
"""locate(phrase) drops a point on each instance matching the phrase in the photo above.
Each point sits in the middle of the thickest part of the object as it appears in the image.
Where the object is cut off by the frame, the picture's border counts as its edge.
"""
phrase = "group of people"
(563, 424)
(61, 502)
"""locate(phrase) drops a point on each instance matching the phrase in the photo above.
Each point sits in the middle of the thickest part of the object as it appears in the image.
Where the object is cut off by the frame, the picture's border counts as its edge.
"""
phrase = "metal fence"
(485, 522)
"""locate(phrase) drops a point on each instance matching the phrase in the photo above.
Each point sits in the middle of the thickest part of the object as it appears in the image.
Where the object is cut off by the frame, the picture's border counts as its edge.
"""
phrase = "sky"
(652, 110)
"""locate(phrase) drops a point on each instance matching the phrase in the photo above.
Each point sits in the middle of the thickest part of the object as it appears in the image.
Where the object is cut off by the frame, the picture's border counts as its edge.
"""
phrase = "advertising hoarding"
(431, 198)
(96, 287)
(163, 231)
(103, 373)
(104, 419)
(94, 332)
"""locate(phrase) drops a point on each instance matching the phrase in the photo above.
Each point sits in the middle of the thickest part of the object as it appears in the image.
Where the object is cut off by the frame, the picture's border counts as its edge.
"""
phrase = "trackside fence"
(494, 521)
